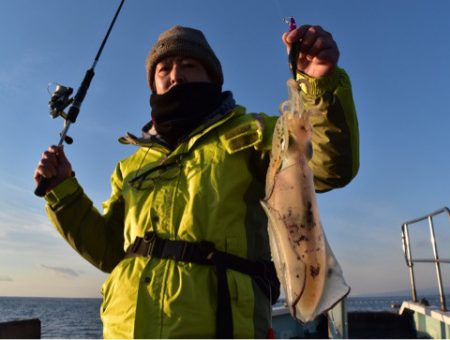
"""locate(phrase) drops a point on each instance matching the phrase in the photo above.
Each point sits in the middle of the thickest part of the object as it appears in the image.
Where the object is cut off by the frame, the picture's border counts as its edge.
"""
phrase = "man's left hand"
(319, 53)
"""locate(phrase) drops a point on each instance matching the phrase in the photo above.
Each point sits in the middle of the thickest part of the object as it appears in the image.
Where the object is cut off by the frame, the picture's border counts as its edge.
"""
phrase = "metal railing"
(436, 260)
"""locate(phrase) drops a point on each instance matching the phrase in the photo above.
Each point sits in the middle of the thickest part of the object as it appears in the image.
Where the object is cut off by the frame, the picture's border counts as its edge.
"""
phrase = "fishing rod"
(60, 99)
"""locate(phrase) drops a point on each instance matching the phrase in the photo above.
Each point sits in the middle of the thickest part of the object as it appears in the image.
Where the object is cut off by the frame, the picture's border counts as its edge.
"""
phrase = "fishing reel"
(59, 100)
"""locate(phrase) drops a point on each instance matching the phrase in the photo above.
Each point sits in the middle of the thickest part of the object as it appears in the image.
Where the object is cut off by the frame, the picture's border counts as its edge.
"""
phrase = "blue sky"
(396, 53)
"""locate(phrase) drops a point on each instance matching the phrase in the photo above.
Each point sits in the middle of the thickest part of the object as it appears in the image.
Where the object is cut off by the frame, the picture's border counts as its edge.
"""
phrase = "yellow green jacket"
(208, 188)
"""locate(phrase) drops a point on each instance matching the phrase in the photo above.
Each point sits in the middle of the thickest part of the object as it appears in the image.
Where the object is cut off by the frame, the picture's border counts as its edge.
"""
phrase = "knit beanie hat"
(185, 42)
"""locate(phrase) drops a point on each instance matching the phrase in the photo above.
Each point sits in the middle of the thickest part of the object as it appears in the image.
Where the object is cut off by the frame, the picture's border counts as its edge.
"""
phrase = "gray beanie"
(185, 42)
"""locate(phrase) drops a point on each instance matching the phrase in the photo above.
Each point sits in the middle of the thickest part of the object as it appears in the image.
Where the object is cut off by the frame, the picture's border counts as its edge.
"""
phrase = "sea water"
(60, 317)
(79, 318)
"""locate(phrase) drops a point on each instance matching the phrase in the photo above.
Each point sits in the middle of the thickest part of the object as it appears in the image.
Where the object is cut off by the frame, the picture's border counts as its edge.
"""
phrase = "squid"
(309, 273)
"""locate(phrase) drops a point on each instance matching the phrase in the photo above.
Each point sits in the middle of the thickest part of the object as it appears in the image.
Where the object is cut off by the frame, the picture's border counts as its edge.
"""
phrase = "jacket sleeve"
(335, 138)
(95, 236)
(335, 160)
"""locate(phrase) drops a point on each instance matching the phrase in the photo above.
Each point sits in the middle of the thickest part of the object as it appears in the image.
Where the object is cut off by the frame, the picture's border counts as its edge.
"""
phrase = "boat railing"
(410, 261)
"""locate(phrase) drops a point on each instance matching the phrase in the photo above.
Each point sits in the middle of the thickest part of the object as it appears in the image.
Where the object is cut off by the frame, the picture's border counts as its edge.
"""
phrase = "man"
(183, 233)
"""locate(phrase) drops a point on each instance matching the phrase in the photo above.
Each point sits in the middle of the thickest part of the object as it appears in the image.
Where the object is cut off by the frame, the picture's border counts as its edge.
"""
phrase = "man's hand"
(319, 53)
(53, 165)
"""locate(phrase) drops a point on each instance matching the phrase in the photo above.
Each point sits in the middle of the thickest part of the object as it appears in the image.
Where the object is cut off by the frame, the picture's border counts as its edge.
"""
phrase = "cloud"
(61, 271)
(18, 208)
(26, 231)
(26, 64)
(21, 218)
(5, 278)
(23, 223)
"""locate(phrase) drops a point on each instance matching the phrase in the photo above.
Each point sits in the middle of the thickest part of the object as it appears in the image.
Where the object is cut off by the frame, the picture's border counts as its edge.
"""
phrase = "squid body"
(308, 271)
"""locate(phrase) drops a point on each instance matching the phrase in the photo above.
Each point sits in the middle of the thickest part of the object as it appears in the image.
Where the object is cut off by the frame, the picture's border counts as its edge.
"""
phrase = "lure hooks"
(295, 50)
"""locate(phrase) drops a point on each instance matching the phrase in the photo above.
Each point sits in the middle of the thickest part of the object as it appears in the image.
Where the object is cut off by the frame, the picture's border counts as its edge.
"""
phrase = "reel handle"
(42, 187)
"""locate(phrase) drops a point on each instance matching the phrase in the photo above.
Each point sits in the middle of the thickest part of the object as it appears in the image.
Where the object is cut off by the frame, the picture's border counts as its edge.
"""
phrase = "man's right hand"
(53, 165)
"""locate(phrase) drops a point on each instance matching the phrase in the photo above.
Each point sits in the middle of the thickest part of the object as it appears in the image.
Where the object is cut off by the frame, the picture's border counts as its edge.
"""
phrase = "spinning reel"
(59, 100)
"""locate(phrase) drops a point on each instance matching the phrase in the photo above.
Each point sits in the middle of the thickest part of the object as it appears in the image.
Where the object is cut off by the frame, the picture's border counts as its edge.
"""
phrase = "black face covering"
(179, 111)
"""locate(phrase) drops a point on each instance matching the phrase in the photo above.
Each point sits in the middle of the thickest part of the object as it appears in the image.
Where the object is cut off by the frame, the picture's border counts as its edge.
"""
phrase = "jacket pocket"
(120, 294)
(241, 290)
(242, 304)
(243, 133)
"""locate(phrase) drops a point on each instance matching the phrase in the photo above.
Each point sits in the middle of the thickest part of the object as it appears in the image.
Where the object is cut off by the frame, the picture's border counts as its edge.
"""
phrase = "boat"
(414, 318)
(21, 329)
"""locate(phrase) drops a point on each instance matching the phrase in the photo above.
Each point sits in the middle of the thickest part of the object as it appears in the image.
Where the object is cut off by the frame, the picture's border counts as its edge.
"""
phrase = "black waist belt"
(263, 272)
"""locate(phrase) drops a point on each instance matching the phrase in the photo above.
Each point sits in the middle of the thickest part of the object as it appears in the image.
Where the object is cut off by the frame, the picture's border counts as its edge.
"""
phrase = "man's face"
(172, 71)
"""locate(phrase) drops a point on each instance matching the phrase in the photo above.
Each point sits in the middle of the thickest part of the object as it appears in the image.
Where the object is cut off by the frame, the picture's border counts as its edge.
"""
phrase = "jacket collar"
(150, 137)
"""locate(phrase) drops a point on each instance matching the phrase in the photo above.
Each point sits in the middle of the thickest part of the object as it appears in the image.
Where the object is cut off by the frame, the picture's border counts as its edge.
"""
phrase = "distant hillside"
(407, 293)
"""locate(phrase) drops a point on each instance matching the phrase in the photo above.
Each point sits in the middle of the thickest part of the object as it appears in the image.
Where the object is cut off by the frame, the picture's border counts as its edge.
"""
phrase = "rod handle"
(42, 187)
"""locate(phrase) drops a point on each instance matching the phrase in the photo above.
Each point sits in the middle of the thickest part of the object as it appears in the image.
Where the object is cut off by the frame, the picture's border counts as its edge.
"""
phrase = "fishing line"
(294, 50)
(279, 10)
(281, 13)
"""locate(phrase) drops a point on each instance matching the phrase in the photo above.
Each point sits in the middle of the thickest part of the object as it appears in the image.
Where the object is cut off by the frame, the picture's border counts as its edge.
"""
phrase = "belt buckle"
(150, 238)
(183, 252)
(207, 250)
